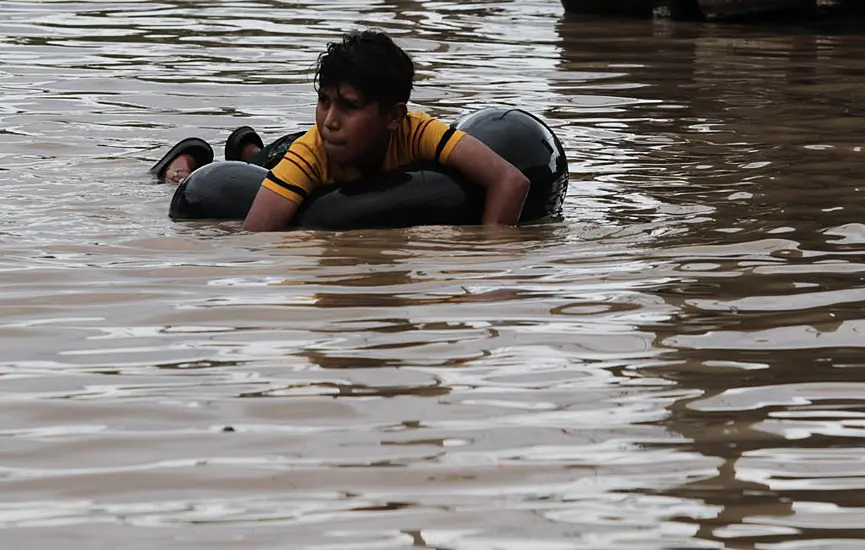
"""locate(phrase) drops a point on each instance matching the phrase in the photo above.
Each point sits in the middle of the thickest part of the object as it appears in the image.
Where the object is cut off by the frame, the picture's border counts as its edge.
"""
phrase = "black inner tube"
(423, 194)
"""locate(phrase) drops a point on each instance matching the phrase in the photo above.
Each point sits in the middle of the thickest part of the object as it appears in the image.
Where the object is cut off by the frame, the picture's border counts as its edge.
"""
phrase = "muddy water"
(674, 365)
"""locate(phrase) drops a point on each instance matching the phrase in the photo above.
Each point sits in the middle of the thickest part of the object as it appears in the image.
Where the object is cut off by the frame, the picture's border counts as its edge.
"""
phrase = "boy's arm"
(270, 211)
(286, 185)
(506, 186)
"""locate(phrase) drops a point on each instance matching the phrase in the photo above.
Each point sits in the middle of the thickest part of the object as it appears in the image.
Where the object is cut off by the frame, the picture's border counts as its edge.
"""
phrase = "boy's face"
(354, 131)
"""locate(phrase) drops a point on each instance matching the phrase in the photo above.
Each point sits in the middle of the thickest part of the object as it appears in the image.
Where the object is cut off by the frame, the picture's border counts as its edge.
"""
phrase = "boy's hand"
(506, 186)
(269, 212)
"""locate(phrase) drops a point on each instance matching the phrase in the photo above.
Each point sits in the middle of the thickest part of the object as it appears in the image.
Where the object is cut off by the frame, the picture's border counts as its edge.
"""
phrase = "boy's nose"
(331, 120)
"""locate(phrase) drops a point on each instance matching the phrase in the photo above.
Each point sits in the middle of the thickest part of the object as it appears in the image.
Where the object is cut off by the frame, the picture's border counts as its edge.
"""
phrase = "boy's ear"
(397, 114)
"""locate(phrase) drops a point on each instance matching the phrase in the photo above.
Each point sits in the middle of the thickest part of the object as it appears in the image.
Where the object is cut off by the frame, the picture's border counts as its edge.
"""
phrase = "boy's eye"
(349, 105)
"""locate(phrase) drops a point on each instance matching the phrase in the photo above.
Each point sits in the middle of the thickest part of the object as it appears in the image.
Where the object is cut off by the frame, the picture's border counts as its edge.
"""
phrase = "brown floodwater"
(678, 363)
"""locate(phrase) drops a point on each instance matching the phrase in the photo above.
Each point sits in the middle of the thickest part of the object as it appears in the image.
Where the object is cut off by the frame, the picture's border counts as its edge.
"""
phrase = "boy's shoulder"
(418, 115)
(310, 147)
(309, 140)
(417, 119)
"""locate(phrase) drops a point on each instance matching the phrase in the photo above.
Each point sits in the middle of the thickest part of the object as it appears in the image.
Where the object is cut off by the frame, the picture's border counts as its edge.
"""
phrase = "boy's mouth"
(334, 143)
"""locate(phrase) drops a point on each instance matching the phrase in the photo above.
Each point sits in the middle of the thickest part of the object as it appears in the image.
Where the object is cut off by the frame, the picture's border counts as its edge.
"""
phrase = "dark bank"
(721, 10)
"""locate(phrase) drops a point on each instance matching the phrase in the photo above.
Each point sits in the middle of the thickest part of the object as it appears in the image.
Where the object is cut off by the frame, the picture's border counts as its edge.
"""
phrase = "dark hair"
(371, 62)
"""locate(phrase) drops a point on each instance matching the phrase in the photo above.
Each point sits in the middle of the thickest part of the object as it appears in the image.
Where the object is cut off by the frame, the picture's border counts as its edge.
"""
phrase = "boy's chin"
(339, 154)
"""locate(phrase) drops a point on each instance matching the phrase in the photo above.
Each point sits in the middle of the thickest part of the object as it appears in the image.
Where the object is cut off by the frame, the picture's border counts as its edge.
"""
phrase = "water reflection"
(766, 324)
(729, 117)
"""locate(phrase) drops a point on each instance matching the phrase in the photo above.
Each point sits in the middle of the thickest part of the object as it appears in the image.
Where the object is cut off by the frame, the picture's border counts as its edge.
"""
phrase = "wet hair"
(372, 63)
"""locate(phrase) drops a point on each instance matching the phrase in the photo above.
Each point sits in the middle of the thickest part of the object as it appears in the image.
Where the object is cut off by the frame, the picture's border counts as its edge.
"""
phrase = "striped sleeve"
(432, 139)
(300, 170)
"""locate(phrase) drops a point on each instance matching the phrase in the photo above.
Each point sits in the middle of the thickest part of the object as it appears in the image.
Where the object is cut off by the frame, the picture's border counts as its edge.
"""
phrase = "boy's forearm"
(260, 226)
(269, 212)
(504, 202)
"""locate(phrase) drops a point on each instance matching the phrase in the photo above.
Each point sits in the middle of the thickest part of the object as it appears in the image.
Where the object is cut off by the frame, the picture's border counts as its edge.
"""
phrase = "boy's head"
(363, 84)
(371, 63)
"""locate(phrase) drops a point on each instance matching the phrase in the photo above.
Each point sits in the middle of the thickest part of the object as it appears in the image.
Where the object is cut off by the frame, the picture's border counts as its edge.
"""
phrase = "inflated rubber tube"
(419, 195)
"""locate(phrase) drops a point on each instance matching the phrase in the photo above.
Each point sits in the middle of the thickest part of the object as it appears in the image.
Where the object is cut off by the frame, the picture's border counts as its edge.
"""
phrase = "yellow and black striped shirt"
(305, 165)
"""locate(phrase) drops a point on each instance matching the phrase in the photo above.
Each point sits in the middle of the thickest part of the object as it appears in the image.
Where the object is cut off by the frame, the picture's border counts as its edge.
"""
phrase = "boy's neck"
(376, 159)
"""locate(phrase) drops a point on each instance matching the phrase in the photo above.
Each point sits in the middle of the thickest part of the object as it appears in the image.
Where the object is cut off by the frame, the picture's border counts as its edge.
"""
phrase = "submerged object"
(423, 194)
(691, 9)
(725, 9)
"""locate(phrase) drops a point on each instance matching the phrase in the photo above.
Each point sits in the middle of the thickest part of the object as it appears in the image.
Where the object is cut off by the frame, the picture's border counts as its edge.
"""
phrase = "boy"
(362, 126)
